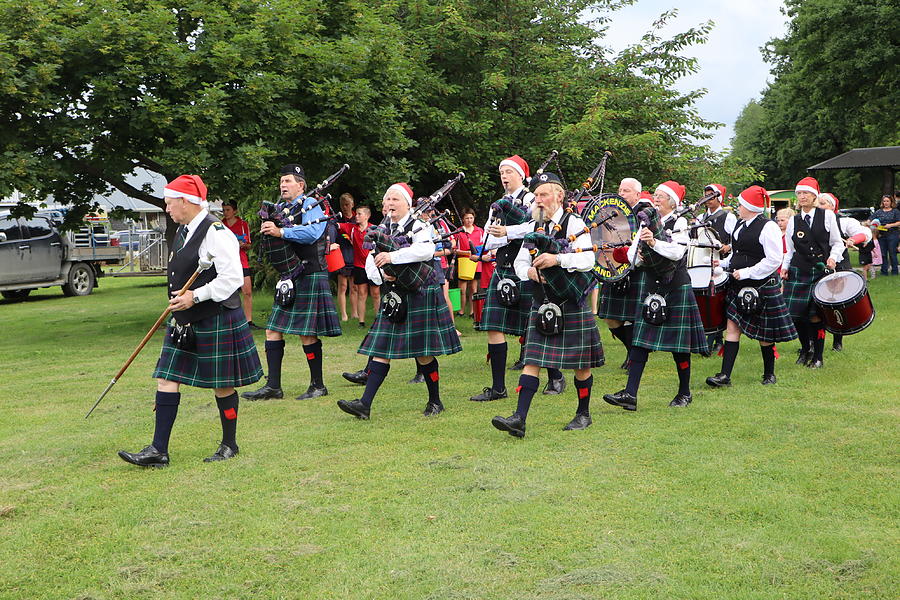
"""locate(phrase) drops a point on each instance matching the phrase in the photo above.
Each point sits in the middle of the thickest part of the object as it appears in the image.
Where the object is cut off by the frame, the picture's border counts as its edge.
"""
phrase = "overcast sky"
(730, 63)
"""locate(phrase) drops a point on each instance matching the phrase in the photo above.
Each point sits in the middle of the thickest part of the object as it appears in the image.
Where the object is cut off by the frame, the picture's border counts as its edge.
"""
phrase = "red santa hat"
(645, 195)
(404, 190)
(831, 199)
(755, 199)
(518, 163)
(807, 184)
(718, 187)
(673, 190)
(189, 187)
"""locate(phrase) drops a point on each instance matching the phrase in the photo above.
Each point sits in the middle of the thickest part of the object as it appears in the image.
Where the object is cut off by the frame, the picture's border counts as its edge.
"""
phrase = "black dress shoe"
(513, 424)
(419, 378)
(355, 408)
(815, 364)
(681, 400)
(581, 421)
(432, 409)
(360, 377)
(555, 386)
(263, 393)
(621, 399)
(148, 457)
(223, 453)
(837, 347)
(719, 380)
(803, 358)
(517, 366)
(625, 364)
(313, 391)
(769, 379)
(489, 394)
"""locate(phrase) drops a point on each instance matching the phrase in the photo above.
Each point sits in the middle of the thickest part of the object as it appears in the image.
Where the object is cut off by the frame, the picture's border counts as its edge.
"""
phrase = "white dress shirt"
(671, 250)
(223, 246)
(420, 249)
(730, 219)
(835, 241)
(850, 227)
(571, 261)
(513, 232)
(679, 231)
(770, 238)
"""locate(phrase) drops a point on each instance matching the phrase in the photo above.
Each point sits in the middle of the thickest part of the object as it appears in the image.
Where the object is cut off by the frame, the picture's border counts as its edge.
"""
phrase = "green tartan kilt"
(427, 331)
(225, 355)
(312, 312)
(798, 293)
(772, 324)
(495, 316)
(682, 331)
(621, 305)
(578, 346)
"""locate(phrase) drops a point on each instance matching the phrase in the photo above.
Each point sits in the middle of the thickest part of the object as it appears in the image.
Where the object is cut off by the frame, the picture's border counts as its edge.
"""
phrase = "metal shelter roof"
(862, 158)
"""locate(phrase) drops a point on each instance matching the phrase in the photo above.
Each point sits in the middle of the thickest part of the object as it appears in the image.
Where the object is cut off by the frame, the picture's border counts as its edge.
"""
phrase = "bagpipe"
(663, 268)
(566, 285)
(280, 252)
(593, 183)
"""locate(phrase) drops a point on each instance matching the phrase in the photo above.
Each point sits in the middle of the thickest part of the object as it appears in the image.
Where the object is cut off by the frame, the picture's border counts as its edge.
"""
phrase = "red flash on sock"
(583, 393)
(434, 376)
(230, 414)
(518, 388)
(775, 352)
(820, 334)
(521, 339)
(310, 355)
(684, 365)
(721, 351)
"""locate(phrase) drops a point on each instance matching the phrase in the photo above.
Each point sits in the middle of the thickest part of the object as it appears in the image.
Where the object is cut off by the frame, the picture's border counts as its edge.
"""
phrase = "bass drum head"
(700, 277)
(615, 229)
(839, 288)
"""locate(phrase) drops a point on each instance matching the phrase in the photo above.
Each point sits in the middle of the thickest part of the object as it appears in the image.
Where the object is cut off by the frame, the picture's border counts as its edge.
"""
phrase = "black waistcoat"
(717, 222)
(313, 254)
(811, 244)
(507, 254)
(748, 249)
(183, 264)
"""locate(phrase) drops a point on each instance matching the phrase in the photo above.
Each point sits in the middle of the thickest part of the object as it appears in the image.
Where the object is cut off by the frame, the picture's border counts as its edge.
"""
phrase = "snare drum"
(701, 253)
(478, 306)
(845, 302)
(712, 306)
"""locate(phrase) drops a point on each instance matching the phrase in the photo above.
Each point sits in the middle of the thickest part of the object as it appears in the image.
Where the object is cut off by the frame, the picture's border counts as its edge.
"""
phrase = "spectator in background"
(241, 231)
(344, 275)
(471, 236)
(783, 217)
(887, 221)
(356, 231)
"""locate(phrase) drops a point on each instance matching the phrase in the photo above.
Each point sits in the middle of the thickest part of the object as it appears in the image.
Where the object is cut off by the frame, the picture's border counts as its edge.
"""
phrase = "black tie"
(180, 238)
(394, 228)
(808, 219)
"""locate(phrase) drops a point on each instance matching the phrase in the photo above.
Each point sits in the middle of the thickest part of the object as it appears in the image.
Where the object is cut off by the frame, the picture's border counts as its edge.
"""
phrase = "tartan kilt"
(682, 331)
(577, 347)
(495, 316)
(312, 312)
(427, 331)
(621, 306)
(798, 293)
(225, 355)
(772, 324)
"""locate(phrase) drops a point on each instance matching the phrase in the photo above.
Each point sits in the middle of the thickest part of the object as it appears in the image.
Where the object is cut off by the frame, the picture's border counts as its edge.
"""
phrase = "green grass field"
(785, 491)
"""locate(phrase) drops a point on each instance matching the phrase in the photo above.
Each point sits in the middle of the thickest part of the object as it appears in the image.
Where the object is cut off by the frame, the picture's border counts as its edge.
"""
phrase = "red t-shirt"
(356, 238)
(241, 231)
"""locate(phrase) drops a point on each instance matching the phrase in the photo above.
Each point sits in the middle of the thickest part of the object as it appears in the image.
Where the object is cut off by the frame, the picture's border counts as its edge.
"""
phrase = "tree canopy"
(399, 89)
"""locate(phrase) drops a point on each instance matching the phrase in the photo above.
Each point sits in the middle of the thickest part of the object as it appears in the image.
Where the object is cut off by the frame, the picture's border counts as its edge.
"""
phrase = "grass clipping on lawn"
(784, 491)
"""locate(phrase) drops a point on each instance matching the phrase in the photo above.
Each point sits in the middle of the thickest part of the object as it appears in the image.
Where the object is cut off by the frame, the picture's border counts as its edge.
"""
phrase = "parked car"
(858, 213)
(130, 239)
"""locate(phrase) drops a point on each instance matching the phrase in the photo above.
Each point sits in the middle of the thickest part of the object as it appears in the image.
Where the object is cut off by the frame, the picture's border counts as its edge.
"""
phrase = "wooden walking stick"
(202, 266)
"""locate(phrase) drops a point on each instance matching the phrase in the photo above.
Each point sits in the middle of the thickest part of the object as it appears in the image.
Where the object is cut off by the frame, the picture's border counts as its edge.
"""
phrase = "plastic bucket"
(454, 299)
(335, 260)
(466, 269)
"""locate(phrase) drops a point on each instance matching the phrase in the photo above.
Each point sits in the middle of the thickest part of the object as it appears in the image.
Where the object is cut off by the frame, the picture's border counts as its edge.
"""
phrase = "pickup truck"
(35, 254)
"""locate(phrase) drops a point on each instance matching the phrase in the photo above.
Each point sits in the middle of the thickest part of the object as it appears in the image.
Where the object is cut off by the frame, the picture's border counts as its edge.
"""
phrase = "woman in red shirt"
(241, 231)
(471, 235)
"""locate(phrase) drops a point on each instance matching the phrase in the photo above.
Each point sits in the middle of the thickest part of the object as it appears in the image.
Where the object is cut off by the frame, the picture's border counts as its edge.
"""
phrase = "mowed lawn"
(785, 491)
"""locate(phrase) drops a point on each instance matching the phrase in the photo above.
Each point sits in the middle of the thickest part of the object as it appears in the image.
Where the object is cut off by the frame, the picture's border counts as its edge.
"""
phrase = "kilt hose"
(682, 331)
(225, 355)
(312, 312)
(621, 305)
(798, 293)
(427, 330)
(495, 316)
(578, 346)
(772, 324)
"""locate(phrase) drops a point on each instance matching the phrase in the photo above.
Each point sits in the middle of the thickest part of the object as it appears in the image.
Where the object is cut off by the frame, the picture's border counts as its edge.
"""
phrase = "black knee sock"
(768, 357)
(624, 334)
(802, 334)
(683, 365)
(637, 358)
(497, 357)
(583, 387)
(274, 356)
(368, 365)
(432, 380)
(314, 358)
(521, 348)
(228, 412)
(528, 387)
(554, 374)
(377, 372)
(817, 332)
(729, 356)
(838, 339)
(166, 411)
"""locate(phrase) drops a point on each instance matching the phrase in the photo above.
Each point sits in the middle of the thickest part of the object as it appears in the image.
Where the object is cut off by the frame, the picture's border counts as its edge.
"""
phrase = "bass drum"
(845, 303)
(711, 303)
(612, 226)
